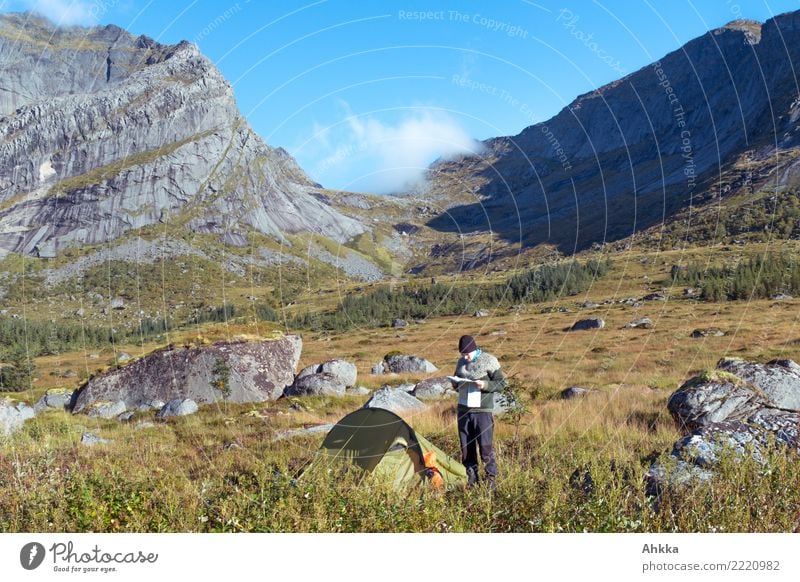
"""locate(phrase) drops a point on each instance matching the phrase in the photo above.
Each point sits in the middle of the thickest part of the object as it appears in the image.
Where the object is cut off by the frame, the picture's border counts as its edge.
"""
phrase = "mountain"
(103, 133)
(630, 155)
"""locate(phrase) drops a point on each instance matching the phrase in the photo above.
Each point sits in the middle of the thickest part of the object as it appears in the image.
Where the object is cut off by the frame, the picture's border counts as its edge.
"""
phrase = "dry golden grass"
(183, 475)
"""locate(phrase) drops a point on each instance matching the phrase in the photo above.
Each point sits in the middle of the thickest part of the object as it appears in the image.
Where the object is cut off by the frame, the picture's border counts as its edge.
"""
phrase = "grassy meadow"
(224, 469)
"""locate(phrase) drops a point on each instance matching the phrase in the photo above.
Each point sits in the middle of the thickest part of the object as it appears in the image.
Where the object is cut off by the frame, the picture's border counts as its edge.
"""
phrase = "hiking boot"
(491, 484)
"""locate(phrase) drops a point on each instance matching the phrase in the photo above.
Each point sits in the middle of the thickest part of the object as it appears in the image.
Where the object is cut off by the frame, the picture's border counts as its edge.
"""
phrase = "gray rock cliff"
(102, 132)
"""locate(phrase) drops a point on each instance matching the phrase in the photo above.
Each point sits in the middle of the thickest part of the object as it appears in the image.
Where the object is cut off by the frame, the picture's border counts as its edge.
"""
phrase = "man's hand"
(480, 384)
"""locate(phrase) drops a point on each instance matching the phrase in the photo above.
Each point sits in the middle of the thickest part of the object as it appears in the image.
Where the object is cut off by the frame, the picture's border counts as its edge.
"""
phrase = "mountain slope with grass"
(630, 155)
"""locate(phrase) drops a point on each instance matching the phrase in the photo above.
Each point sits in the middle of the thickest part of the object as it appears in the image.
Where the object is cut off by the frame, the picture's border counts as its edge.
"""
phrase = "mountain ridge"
(627, 155)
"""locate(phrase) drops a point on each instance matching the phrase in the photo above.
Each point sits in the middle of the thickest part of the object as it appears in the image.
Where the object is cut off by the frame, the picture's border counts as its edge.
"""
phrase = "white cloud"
(381, 157)
(66, 12)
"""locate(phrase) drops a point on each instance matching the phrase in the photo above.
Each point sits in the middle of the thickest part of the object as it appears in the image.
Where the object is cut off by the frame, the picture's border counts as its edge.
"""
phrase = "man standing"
(475, 405)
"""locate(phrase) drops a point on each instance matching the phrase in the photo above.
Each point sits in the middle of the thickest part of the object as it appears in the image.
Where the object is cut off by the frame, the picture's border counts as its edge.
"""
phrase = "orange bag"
(429, 460)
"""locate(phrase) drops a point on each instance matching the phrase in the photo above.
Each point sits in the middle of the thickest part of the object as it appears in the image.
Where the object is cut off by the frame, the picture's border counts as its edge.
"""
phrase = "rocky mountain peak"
(102, 132)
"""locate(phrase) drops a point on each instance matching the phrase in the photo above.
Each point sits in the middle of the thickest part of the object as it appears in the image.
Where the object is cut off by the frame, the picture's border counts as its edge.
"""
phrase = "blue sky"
(366, 94)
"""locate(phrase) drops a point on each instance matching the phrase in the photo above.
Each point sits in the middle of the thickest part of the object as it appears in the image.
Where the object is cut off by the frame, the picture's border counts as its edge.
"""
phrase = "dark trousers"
(475, 430)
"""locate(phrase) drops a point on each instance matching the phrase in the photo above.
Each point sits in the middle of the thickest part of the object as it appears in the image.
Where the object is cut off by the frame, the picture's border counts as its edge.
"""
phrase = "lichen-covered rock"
(401, 364)
(323, 384)
(235, 371)
(779, 380)
(345, 372)
(58, 398)
(713, 397)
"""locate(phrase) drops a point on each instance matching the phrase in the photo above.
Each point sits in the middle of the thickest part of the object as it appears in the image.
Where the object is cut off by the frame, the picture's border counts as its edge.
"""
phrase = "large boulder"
(401, 364)
(712, 397)
(345, 372)
(396, 400)
(743, 407)
(13, 416)
(323, 384)
(235, 371)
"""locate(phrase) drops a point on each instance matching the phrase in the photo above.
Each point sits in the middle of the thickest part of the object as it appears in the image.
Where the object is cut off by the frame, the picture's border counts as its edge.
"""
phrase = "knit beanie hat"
(466, 344)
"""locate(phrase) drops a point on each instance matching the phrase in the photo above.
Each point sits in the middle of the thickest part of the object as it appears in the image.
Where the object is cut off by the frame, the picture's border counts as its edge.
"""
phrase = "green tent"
(387, 448)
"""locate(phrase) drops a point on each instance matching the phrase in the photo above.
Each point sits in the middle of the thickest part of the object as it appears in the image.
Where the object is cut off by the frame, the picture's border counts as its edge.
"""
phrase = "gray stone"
(398, 401)
(401, 364)
(482, 313)
(258, 371)
(713, 398)
(107, 409)
(151, 405)
(574, 392)
(779, 380)
(378, 369)
(323, 384)
(122, 357)
(13, 416)
(117, 303)
(642, 322)
(589, 305)
(89, 440)
(125, 416)
(781, 297)
(399, 323)
(435, 387)
(708, 332)
(504, 403)
(345, 372)
(654, 297)
(586, 324)
(58, 398)
(297, 432)
(178, 407)
(358, 391)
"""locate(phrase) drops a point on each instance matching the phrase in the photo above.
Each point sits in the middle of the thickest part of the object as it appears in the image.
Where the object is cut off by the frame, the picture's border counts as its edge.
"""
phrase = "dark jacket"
(485, 367)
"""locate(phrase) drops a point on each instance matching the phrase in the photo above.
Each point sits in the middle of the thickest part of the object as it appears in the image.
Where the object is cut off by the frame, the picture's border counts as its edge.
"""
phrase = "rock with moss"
(779, 380)
(57, 398)
(322, 384)
(403, 364)
(714, 396)
(345, 372)
(239, 370)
